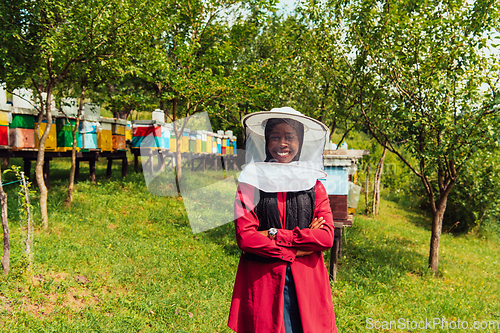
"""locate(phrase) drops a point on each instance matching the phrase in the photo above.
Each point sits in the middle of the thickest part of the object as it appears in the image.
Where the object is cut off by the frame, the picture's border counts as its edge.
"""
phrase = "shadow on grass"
(412, 208)
(224, 236)
(383, 260)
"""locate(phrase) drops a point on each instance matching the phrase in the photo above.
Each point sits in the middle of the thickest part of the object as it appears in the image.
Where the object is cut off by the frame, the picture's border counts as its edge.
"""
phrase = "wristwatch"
(272, 232)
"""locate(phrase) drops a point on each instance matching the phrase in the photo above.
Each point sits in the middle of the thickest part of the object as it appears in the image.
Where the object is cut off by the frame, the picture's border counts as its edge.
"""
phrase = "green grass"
(122, 260)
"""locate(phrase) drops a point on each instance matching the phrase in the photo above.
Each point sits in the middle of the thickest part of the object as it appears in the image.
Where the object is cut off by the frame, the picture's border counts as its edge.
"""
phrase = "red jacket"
(257, 304)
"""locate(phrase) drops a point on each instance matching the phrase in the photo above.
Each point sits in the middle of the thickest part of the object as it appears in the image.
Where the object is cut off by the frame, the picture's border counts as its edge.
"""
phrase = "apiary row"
(155, 134)
(18, 132)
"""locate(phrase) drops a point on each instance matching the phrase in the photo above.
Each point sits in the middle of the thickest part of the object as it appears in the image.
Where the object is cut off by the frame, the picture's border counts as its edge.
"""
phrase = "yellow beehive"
(128, 131)
(51, 142)
(210, 137)
(105, 135)
(185, 141)
(4, 118)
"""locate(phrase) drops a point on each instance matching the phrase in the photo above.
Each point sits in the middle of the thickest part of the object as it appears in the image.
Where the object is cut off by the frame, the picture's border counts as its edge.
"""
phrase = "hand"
(264, 232)
(301, 253)
(316, 223)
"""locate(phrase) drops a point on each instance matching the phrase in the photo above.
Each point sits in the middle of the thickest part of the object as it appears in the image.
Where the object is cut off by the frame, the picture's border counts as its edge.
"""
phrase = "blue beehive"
(337, 180)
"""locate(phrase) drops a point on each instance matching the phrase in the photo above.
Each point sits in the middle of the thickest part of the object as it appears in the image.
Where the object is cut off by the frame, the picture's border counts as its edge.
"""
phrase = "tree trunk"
(6, 235)
(71, 184)
(40, 159)
(437, 225)
(376, 184)
(178, 155)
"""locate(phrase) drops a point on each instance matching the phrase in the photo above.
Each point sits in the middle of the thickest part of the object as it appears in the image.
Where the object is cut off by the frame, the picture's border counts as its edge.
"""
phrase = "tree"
(192, 61)
(43, 41)
(434, 91)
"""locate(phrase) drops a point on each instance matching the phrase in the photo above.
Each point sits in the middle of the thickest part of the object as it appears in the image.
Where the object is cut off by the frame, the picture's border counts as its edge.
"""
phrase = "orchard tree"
(192, 60)
(434, 90)
(43, 41)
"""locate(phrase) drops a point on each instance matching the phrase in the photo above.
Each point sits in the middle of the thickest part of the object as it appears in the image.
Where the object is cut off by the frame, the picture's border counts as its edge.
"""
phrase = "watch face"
(273, 231)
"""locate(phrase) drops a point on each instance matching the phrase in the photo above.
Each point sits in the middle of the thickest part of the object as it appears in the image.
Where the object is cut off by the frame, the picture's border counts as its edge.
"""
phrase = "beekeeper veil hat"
(261, 171)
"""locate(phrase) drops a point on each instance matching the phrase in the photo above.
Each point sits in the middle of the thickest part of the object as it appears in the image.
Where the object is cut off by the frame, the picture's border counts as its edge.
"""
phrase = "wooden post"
(161, 161)
(204, 163)
(215, 163)
(92, 169)
(27, 168)
(335, 251)
(136, 162)
(124, 166)
(108, 169)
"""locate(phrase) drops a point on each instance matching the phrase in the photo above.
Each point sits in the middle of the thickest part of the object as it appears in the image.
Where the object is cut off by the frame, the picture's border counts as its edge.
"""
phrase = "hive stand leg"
(92, 169)
(136, 162)
(334, 254)
(27, 168)
(108, 169)
(161, 161)
(124, 166)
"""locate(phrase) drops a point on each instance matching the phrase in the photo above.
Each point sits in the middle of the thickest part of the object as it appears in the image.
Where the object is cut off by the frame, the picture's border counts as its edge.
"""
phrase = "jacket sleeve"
(311, 240)
(246, 224)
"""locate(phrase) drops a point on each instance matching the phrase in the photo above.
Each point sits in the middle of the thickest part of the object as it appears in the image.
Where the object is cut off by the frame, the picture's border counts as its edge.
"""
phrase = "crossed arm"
(288, 244)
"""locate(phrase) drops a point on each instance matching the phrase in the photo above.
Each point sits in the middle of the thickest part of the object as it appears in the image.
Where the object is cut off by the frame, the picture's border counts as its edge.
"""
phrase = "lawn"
(122, 260)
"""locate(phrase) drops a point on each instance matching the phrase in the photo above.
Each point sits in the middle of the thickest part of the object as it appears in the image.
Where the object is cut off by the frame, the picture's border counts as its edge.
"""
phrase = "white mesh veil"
(294, 176)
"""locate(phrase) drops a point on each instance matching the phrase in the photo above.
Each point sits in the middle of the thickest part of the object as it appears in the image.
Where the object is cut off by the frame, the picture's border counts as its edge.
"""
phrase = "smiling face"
(283, 143)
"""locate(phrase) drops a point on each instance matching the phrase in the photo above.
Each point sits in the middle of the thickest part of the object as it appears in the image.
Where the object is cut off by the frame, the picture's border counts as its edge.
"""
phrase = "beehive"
(87, 134)
(4, 128)
(22, 131)
(64, 133)
(51, 141)
(119, 130)
(105, 134)
(146, 134)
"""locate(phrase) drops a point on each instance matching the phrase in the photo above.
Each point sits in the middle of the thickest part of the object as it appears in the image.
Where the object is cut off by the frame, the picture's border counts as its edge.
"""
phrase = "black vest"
(299, 213)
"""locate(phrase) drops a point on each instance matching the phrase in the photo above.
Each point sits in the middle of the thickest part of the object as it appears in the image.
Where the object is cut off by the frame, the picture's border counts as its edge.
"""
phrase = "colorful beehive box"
(223, 146)
(185, 141)
(235, 150)
(210, 138)
(87, 136)
(173, 142)
(204, 142)
(165, 136)
(119, 126)
(22, 131)
(105, 134)
(128, 131)
(64, 133)
(146, 134)
(198, 142)
(218, 149)
(4, 129)
(192, 141)
(51, 141)
(119, 130)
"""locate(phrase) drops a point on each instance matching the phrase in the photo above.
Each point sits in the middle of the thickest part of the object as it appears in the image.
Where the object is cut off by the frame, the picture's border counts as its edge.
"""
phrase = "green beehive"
(65, 132)
(23, 121)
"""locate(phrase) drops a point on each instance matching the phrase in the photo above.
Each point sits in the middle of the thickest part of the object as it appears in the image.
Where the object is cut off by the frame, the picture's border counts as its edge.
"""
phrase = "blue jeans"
(291, 306)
